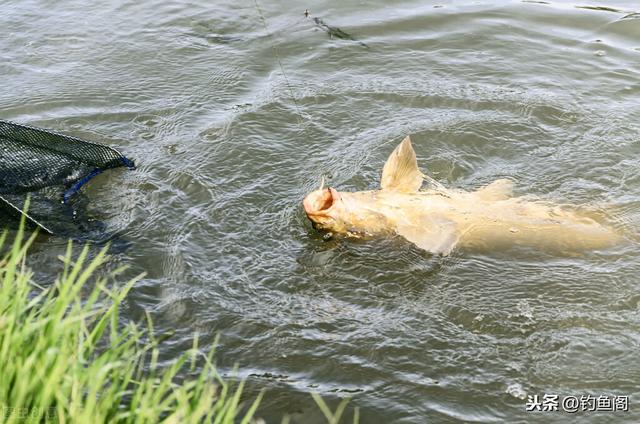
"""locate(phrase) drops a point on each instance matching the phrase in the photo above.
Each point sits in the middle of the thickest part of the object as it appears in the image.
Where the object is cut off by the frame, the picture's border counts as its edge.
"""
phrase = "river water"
(233, 111)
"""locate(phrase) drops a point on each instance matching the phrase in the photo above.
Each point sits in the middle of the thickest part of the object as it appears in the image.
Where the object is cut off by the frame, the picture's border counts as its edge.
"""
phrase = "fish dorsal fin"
(400, 172)
(435, 235)
(501, 189)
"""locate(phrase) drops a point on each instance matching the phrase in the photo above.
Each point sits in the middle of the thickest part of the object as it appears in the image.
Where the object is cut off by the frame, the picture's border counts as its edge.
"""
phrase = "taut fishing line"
(284, 74)
(301, 120)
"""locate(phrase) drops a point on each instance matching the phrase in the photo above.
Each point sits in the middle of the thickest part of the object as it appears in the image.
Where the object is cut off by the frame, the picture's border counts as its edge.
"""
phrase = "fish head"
(325, 209)
(354, 214)
(363, 213)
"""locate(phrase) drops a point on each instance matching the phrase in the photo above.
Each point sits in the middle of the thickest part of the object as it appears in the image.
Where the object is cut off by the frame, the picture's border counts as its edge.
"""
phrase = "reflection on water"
(545, 93)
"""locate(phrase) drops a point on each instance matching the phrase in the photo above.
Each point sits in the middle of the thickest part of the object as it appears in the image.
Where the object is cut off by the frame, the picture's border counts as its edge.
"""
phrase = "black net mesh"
(48, 166)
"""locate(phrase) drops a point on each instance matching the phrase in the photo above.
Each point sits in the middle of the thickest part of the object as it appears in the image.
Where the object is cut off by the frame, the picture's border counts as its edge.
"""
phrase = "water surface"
(233, 119)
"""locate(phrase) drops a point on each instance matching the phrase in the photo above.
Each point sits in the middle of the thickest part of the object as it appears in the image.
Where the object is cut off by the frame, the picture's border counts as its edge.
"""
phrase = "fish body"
(439, 220)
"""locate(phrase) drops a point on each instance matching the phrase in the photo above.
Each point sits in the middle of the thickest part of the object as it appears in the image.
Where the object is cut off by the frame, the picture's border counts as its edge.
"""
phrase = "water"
(544, 93)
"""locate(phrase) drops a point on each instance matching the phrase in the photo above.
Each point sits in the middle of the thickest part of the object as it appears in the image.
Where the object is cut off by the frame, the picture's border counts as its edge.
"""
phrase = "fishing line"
(284, 74)
(301, 120)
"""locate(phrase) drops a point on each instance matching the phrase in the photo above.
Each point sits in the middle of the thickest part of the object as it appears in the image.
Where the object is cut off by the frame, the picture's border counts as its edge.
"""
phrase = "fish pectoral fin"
(501, 189)
(438, 236)
(400, 172)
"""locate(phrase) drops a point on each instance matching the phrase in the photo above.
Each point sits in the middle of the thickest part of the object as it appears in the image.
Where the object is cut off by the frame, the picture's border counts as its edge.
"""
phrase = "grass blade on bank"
(66, 358)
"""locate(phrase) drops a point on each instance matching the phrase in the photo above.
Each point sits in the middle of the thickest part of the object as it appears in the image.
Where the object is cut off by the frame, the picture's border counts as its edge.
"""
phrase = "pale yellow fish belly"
(461, 219)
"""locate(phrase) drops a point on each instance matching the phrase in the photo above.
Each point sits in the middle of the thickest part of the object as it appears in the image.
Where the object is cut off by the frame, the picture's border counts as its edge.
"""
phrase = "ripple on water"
(227, 146)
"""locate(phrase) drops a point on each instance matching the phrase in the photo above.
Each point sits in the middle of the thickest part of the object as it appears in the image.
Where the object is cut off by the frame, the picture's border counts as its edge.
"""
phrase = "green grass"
(66, 358)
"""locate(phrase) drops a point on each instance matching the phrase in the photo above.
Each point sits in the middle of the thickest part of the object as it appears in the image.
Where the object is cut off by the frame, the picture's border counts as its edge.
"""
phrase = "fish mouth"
(319, 202)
